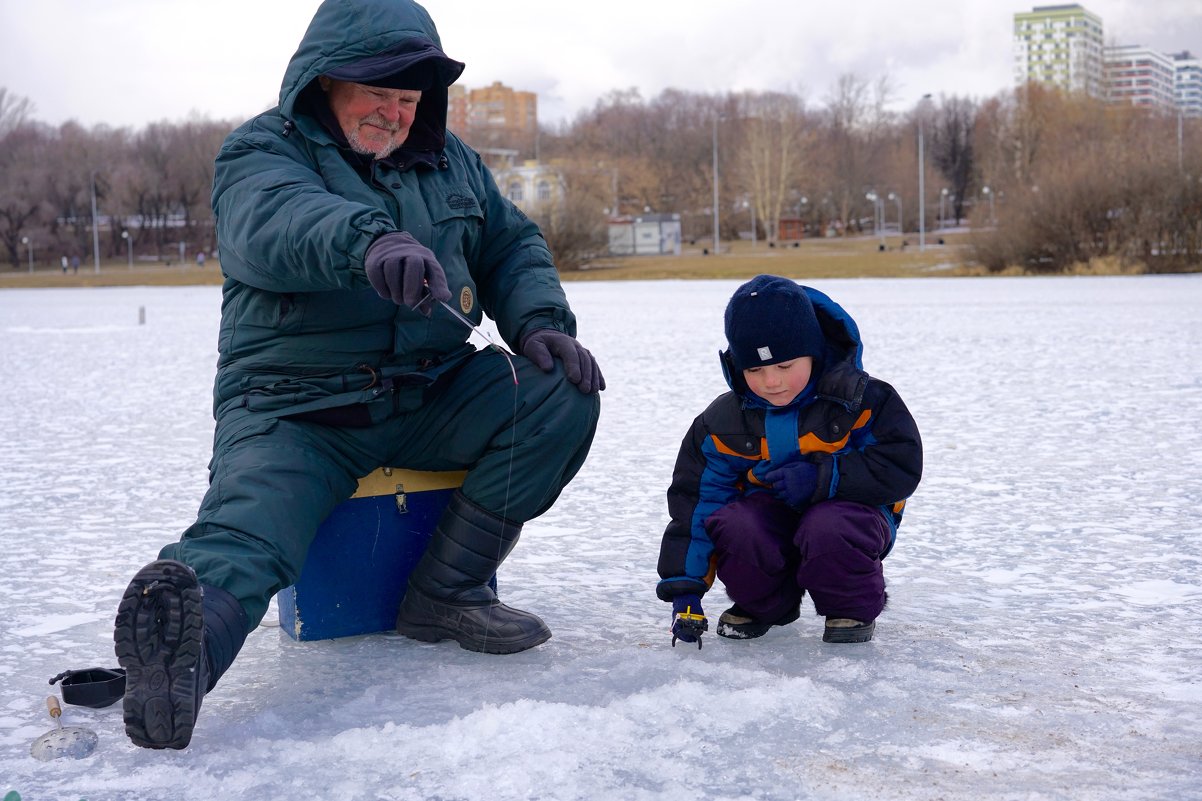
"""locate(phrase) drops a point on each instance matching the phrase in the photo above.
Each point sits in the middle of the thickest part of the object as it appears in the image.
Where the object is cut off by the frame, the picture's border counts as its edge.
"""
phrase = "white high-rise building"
(1188, 83)
(1141, 77)
(1061, 46)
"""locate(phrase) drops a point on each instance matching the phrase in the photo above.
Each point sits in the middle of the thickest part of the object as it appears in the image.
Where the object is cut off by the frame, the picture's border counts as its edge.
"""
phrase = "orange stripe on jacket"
(811, 443)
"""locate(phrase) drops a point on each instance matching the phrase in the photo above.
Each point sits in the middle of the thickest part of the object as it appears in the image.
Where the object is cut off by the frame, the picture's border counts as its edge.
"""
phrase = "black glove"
(688, 619)
(403, 270)
(540, 345)
(794, 483)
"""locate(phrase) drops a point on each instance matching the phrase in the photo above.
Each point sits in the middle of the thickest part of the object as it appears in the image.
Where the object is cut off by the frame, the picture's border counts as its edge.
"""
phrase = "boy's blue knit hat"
(770, 320)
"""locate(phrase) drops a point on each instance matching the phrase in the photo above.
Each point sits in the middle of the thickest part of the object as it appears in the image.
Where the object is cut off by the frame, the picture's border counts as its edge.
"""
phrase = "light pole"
(28, 243)
(95, 227)
(989, 194)
(749, 204)
(896, 197)
(942, 213)
(716, 116)
(129, 243)
(922, 197)
(878, 215)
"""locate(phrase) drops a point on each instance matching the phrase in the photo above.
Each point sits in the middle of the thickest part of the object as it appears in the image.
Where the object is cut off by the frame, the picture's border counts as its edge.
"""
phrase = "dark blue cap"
(416, 64)
(770, 320)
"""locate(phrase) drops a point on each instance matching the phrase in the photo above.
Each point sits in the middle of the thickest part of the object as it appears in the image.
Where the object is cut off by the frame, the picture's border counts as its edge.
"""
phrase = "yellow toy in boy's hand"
(689, 626)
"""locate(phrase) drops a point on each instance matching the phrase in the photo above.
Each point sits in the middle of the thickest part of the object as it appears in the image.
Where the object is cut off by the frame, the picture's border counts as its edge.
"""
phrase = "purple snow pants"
(769, 556)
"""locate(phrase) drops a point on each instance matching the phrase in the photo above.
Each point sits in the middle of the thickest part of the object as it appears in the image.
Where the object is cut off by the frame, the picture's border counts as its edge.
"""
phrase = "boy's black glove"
(403, 270)
(688, 619)
(581, 368)
(794, 483)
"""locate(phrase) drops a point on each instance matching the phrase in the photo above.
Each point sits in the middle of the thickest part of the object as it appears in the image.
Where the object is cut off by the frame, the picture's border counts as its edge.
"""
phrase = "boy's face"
(780, 383)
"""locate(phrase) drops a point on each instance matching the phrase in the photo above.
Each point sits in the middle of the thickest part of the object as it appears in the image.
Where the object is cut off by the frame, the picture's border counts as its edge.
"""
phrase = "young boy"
(792, 481)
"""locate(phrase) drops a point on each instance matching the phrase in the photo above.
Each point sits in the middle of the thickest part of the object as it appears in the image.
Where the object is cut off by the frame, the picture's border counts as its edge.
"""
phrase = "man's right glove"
(403, 270)
(688, 619)
(578, 364)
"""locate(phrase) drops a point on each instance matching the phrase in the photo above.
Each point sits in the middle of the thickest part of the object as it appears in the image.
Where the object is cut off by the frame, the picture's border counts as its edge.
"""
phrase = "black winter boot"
(737, 623)
(175, 638)
(449, 597)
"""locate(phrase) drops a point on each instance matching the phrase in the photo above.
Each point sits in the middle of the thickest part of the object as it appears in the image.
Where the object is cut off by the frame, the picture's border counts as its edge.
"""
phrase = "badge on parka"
(466, 300)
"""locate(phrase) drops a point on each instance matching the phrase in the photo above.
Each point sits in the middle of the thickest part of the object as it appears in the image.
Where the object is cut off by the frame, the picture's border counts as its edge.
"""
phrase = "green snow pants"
(272, 482)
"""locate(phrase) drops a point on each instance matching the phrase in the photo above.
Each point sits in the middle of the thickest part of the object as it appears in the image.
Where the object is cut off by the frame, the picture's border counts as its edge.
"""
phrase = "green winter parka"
(302, 331)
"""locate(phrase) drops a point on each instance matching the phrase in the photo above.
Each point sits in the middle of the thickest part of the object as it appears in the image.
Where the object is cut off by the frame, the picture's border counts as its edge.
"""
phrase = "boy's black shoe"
(736, 624)
(844, 629)
(159, 637)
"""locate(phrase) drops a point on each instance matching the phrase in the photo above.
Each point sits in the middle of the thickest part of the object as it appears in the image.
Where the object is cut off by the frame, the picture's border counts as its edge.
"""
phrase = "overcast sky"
(130, 62)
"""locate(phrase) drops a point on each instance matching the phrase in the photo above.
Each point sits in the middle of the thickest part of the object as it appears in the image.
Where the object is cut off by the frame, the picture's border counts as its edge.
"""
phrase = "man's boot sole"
(159, 635)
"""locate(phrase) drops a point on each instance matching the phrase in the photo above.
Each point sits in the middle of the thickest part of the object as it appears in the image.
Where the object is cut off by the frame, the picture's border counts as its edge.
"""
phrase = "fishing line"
(512, 429)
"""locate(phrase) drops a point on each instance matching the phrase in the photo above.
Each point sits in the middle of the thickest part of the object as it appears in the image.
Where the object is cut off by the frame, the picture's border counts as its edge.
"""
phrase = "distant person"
(65, 263)
(75, 264)
(354, 230)
(792, 481)
(200, 258)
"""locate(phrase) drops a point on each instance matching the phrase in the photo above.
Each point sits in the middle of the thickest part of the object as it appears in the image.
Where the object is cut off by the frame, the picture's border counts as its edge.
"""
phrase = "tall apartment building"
(495, 118)
(1061, 46)
(1141, 77)
(1188, 83)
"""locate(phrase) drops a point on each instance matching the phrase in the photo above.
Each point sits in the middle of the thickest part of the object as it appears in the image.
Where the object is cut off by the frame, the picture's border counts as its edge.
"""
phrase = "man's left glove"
(541, 344)
(403, 270)
(794, 483)
(688, 619)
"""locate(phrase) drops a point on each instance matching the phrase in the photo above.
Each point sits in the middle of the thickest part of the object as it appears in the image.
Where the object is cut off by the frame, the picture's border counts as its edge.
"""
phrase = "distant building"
(496, 117)
(1188, 83)
(531, 186)
(1060, 46)
(1140, 76)
(645, 235)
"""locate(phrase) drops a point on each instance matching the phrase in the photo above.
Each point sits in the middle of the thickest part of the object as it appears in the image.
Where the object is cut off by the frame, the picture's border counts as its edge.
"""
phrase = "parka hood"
(843, 356)
(344, 32)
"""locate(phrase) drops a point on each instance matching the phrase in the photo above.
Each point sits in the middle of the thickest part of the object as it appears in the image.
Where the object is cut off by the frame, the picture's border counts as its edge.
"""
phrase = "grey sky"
(129, 62)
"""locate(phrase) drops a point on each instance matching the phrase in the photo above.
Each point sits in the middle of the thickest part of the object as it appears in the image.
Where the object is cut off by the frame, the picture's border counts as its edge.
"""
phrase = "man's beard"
(359, 146)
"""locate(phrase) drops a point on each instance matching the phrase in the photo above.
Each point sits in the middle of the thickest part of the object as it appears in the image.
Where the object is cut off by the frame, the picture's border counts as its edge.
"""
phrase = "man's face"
(375, 120)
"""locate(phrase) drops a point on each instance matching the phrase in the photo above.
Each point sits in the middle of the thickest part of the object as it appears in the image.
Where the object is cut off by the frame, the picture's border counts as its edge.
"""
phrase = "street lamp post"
(878, 215)
(750, 204)
(922, 197)
(896, 197)
(129, 243)
(716, 183)
(989, 194)
(95, 227)
(28, 243)
(942, 213)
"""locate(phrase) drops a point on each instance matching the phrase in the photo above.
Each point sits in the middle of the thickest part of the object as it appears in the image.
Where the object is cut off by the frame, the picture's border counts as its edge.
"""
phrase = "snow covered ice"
(1042, 639)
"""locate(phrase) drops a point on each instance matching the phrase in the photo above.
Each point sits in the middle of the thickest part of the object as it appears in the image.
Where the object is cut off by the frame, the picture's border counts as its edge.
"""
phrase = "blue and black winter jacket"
(855, 428)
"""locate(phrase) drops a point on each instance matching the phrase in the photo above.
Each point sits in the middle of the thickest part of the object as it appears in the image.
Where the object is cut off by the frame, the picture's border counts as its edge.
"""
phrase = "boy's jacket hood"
(839, 369)
(345, 31)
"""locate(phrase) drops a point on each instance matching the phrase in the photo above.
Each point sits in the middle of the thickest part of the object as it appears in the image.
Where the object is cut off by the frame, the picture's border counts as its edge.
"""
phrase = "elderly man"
(349, 219)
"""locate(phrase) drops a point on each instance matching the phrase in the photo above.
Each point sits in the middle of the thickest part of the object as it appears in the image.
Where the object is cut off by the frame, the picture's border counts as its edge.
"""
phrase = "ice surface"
(1041, 641)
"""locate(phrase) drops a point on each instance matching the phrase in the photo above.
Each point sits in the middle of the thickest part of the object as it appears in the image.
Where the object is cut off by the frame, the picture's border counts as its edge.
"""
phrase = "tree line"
(1047, 180)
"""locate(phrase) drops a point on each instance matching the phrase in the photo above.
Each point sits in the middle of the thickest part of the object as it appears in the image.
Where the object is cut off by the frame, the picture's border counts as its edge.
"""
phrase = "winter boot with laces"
(448, 596)
(737, 624)
(175, 638)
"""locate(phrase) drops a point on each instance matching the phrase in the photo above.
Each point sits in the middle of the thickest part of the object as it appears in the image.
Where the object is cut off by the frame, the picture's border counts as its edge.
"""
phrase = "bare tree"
(15, 111)
(856, 123)
(952, 147)
(24, 168)
(774, 153)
